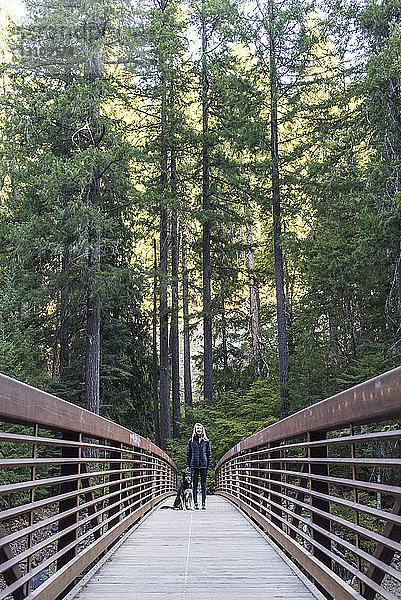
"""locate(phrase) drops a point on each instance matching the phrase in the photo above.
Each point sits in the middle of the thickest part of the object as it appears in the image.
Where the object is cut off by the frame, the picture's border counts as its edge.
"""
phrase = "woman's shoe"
(196, 507)
(203, 507)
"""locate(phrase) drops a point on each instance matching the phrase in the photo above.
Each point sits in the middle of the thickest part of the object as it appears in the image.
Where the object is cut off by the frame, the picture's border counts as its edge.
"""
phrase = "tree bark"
(393, 150)
(185, 310)
(155, 362)
(165, 416)
(333, 332)
(224, 331)
(207, 299)
(253, 301)
(398, 278)
(351, 327)
(91, 387)
(91, 391)
(278, 252)
(64, 359)
(174, 340)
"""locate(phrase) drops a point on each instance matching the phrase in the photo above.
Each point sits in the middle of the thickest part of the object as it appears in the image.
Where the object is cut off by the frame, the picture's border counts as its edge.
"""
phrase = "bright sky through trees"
(14, 7)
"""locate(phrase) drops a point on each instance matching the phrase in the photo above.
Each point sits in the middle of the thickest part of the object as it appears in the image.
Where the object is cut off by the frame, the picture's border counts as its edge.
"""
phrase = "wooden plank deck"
(197, 555)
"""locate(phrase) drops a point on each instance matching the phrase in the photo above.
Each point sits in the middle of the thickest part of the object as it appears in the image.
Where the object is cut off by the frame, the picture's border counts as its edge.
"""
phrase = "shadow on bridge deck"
(196, 555)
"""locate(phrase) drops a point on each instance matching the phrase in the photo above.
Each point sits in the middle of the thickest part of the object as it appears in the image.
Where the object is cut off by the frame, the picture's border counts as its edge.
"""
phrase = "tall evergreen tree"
(71, 173)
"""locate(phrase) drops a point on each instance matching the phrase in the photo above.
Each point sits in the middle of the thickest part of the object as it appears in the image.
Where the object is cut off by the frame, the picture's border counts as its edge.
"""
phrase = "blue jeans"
(195, 477)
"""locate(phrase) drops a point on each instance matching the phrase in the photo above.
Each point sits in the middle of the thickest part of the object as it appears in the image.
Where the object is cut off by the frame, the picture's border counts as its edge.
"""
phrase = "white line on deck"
(184, 595)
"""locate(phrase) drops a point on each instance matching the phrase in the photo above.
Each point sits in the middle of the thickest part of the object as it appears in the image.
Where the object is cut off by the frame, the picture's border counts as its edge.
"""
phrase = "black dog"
(184, 497)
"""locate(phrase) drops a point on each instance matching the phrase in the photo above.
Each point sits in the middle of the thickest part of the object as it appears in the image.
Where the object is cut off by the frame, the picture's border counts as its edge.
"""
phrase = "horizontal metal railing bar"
(380, 436)
(53, 586)
(354, 506)
(13, 463)
(45, 522)
(51, 539)
(334, 557)
(333, 537)
(13, 512)
(384, 567)
(367, 533)
(130, 472)
(352, 483)
(310, 523)
(17, 438)
(330, 581)
(291, 502)
(53, 558)
(375, 400)
(30, 484)
(21, 403)
(362, 462)
(103, 523)
(21, 486)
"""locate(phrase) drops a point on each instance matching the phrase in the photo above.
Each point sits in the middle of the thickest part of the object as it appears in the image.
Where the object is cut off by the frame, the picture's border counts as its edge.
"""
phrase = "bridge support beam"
(391, 531)
(14, 573)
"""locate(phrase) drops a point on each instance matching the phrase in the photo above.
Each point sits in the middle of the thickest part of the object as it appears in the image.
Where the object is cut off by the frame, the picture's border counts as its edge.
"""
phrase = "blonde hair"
(203, 434)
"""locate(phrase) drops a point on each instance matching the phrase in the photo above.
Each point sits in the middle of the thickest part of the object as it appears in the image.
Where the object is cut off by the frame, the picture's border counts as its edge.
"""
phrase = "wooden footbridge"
(309, 507)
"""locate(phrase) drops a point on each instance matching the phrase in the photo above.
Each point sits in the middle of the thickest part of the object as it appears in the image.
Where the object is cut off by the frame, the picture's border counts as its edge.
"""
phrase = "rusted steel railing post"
(322, 506)
(299, 497)
(321, 486)
(67, 469)
(31, 500)
(87, 459)
(275, 487)
(355, 499)
(115, 465)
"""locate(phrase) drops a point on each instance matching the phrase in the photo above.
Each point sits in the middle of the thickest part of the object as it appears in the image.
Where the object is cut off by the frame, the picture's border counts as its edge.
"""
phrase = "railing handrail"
(377, 399)
(72, 494)
(26, 404)
(333, 503)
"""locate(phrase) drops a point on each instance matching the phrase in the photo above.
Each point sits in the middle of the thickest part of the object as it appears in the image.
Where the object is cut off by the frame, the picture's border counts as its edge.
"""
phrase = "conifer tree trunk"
(155, 362)
(278, 252)
(174, 341)
(185, 310)
(393, 150)
(224, 331)
(350, 317)
(91, 391)
(91, 388)
(288, 295)
(398, 276)
(253, 301)
(333, 332)
(207, 299)
(165, 413)
(64, 360)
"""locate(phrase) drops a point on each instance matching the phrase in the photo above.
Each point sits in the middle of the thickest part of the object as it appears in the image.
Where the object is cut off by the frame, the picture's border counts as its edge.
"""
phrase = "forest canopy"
(199, 206)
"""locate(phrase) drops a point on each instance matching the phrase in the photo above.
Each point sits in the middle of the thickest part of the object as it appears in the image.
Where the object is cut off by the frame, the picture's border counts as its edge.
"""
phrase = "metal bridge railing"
(325, 484)
(71, 483)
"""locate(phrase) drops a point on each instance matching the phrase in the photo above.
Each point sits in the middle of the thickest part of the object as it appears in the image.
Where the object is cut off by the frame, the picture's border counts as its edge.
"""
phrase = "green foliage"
(340, 161)
(234, 415)
(65, 128)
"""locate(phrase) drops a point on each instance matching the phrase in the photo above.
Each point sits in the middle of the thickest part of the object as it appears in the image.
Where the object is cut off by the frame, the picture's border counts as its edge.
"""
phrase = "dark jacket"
(199, 454)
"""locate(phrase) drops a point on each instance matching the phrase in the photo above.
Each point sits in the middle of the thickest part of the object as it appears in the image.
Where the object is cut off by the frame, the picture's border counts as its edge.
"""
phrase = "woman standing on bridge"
(199, 458)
